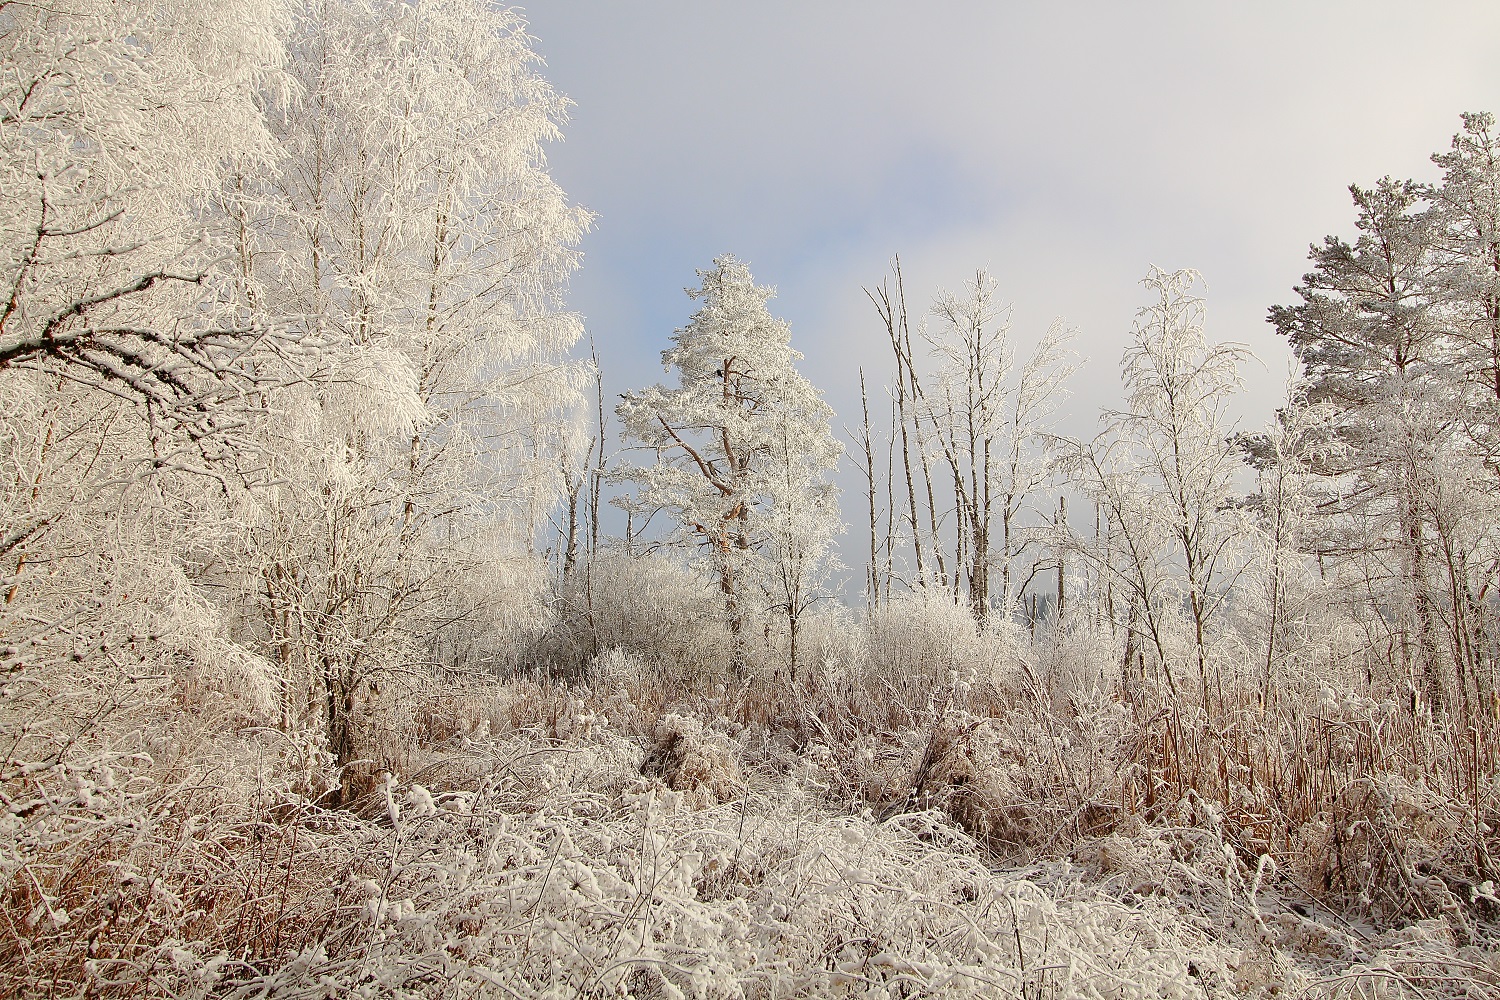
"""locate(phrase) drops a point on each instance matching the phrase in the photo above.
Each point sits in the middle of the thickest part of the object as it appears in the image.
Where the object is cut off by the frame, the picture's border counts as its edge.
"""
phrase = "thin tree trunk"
(1132, 666)
(794, 627)
(893, 315)
(890, 505)
(874, 576)
(1062, 525)
(1277, 521)
(597, 473)
(1432, 681)
(570, 544)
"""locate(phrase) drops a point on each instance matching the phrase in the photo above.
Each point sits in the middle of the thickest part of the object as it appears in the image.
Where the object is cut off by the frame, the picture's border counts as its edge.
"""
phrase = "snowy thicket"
(560, 868)
(608, 840)
(284, 348)
(289, 706)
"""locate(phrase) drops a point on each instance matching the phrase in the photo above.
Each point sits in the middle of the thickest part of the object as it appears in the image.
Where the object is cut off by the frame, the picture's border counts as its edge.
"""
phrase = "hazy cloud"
(1065, 146)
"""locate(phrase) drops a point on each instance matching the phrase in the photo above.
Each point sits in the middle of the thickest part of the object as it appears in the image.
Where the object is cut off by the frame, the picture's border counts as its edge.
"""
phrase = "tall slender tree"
(742, 446)
(412, 231)
(1373, 338)
(1163, 472)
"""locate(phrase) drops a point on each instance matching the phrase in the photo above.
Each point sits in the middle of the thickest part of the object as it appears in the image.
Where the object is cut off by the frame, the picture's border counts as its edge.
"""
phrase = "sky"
(1064, 147)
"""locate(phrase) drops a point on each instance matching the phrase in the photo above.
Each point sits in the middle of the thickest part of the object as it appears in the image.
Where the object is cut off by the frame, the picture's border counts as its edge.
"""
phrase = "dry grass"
(1001, 824)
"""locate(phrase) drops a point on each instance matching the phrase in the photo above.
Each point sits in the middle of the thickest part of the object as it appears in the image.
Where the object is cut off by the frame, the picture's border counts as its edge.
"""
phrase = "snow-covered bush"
(556, 873)
(652, 607)
(925, 637)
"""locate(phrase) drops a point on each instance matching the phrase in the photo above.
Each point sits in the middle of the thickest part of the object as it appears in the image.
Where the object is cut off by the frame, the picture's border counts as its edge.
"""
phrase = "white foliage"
(609, 884)
(743, 445)
(410, 233)
(1164, 474)
(988, 417)
(115, 122)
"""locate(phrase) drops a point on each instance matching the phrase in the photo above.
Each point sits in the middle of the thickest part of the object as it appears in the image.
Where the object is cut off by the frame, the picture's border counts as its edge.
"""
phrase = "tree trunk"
(339, 697)
(734, 615)
(874, 579)
(570, 545)
(794, 627)
(1425, 661)
(1062, 524)
(1132, 665)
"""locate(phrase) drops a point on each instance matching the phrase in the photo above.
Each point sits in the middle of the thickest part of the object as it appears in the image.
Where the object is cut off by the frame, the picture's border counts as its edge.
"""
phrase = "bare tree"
(1163, 472)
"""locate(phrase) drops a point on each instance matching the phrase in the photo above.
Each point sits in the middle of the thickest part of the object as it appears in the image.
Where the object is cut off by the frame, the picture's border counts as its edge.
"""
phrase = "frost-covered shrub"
(652, 607)
(1078, 662)
(690, 759)
(925, 637)
(537, 849)
(122, 867)
(831, 641)
(558, 873)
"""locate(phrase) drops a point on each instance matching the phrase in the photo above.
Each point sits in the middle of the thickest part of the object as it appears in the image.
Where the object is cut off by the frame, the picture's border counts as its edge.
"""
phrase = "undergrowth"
(993, 824)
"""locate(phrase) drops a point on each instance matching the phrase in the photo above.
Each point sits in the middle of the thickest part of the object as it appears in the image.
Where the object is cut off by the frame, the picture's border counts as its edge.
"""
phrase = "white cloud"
(1065, 146)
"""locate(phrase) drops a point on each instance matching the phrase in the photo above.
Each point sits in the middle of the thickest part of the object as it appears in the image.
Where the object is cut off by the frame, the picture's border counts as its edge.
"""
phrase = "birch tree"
(413, 233)
(123, 371)
(115, 120)
(800, 526)
(1163, 472)
(987, 417)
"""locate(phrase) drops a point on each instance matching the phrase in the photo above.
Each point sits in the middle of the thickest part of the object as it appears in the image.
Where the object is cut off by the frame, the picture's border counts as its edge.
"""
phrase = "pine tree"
(1373, 338)
(742, 445)
(1466, 241)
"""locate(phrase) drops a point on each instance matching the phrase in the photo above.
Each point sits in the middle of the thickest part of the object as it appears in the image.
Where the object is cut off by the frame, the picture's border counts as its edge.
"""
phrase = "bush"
(652, 607)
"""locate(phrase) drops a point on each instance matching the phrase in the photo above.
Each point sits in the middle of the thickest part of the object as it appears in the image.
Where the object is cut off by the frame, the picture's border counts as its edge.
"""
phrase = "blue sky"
(1066, 147)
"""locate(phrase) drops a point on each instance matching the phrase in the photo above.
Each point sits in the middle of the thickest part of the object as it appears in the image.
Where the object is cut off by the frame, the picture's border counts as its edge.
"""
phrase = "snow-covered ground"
(537, 850)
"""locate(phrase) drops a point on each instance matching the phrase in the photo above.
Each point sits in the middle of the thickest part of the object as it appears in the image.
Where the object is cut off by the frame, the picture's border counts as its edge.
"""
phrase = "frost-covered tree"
(1163, 472)
(1283, 596)
(312, 250)
(974, 422)
(1397, 332)
(412, 231)
(986, 415)
(1373, 336)
(1466, 216)
(800, 526)
(123, 402)
(119, 366)
(115, 119)
(1466, 205)
(743, 447)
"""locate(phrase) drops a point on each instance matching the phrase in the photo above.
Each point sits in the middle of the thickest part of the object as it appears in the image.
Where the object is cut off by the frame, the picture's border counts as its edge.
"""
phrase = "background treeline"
(321, 670)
